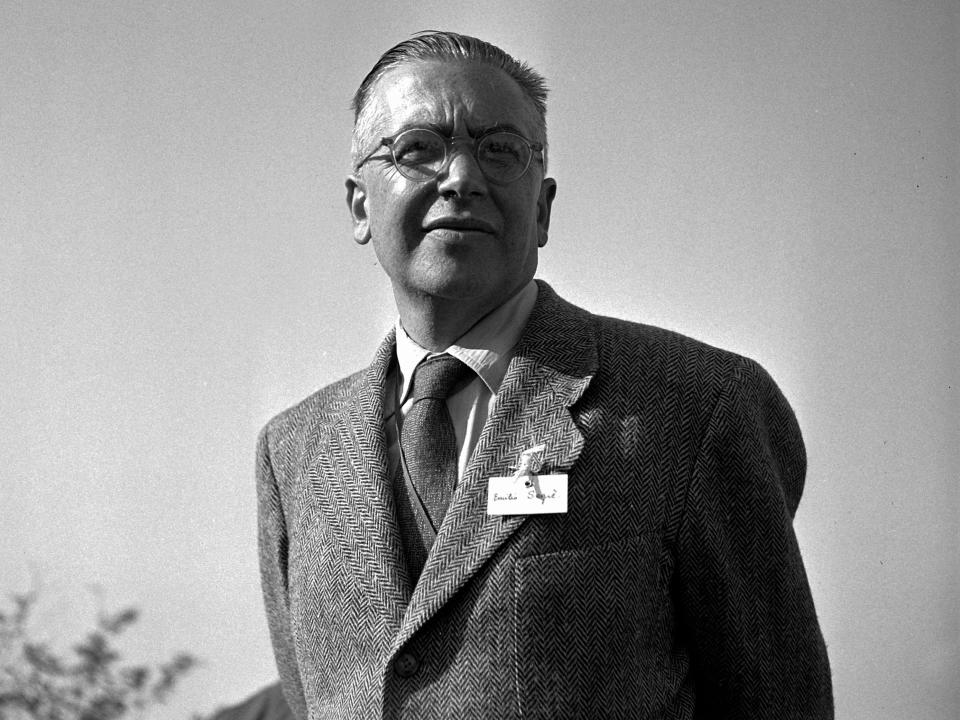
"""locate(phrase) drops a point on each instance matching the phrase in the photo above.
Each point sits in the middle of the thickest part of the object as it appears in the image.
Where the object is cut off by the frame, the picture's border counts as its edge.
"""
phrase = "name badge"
(527, 495)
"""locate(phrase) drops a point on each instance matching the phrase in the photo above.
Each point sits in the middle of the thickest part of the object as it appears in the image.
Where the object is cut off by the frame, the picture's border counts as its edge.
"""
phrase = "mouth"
(460, 224)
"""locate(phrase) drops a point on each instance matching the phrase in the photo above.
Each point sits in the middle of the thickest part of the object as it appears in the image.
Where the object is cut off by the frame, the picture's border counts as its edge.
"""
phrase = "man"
(575, 517)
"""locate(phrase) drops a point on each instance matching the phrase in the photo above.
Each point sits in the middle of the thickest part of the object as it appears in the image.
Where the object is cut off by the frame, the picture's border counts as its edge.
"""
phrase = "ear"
(357, 203)
(548, 191)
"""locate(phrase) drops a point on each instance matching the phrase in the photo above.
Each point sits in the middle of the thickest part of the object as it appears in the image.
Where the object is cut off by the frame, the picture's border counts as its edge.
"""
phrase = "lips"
(460, 224)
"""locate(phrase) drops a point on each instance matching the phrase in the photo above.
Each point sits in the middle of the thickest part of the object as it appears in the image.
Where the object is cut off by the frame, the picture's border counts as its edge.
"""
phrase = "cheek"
(520, 204)
(521, 215)
(395, 209)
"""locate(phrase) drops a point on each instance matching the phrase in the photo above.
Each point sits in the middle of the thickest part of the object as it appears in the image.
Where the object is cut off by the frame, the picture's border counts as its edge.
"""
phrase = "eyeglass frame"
(448, 142)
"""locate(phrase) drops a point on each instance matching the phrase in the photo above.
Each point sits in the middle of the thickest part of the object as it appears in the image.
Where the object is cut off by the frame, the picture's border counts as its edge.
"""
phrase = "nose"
(462, 176)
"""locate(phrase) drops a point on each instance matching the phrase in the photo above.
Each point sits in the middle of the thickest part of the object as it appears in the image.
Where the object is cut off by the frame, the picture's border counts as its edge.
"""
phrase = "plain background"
(777, 178)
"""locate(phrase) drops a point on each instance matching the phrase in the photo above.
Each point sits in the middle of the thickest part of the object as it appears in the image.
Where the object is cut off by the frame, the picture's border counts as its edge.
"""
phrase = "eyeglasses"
(419, 154)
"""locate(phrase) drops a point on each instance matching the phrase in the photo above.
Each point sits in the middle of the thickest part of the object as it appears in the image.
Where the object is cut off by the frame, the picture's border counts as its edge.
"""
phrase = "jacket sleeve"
(272, 532)
(745, 604)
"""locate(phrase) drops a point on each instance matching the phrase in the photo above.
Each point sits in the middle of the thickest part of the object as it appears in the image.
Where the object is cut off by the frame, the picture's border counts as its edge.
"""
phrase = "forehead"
(456, 97)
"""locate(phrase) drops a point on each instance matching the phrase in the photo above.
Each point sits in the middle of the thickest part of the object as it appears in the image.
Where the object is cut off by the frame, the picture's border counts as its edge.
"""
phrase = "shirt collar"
(484, 348)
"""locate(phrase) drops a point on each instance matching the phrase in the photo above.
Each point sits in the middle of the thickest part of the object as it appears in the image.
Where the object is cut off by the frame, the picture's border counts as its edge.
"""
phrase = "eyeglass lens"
(419, 154)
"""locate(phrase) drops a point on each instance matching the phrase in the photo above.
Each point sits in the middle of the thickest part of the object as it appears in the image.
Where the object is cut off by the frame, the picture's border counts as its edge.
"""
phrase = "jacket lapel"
(552, 366)
(349, 474)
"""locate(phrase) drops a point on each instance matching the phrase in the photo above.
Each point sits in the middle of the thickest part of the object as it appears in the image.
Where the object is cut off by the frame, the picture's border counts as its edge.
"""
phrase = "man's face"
(457, 236)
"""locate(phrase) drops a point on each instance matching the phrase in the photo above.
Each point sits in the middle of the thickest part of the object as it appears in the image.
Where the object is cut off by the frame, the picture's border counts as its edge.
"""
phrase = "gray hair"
(434, 45)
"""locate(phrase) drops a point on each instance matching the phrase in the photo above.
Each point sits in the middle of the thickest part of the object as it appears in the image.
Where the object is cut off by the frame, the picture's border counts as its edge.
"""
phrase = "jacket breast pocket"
(593, 630)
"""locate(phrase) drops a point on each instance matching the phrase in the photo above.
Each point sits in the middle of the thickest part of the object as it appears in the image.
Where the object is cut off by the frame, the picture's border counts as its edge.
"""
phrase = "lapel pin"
(540, 494)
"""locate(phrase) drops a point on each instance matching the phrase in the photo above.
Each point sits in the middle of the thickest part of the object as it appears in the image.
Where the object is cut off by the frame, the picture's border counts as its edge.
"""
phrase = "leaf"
(170, 673)
(119, 621)
(24, 603)
(95, 654)
(40, 657)
(135, 678)
(182, 662)
(104, 708)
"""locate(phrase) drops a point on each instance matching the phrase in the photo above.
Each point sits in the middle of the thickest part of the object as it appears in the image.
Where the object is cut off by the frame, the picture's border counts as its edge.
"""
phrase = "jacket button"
(406, 665)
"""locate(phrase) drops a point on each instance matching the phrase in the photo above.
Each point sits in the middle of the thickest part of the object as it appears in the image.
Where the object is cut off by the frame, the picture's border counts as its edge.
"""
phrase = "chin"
(474, 290)
(463, 285)
(468, 279)
(458, 288)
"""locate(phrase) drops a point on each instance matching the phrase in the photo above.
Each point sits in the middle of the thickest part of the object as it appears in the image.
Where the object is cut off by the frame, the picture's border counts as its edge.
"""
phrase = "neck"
(436, 323)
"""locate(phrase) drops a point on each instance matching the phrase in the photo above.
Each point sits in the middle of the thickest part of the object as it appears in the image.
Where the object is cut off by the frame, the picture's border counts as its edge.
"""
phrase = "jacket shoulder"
(665, 373)
(643, 363)
(288, 429)
(654, 353)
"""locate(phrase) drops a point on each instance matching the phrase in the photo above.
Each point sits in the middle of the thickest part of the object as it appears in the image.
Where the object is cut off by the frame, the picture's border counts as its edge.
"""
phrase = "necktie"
(427, 441)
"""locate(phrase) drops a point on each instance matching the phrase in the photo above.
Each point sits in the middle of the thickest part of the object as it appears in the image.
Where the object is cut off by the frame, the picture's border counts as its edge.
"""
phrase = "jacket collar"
(485, 348)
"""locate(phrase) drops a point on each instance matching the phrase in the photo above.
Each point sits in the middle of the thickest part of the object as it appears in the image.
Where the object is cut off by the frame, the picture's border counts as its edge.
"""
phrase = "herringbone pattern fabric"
(672, 588)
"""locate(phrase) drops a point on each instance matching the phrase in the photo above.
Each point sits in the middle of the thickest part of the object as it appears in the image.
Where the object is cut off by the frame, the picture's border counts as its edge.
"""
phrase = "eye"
(503, 150)
(418, 147)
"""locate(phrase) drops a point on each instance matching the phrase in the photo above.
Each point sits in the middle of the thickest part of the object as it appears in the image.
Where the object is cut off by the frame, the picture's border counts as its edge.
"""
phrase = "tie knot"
(437, 377)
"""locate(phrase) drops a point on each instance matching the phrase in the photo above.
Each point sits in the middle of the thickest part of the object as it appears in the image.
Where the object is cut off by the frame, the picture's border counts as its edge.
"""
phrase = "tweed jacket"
(672, 588)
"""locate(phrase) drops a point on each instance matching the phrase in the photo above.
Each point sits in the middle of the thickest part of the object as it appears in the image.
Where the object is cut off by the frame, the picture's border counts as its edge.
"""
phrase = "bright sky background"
(778, 178)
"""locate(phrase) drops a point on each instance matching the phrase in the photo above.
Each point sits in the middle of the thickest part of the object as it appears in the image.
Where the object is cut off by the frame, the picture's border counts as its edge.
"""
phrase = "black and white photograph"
(430, 361)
